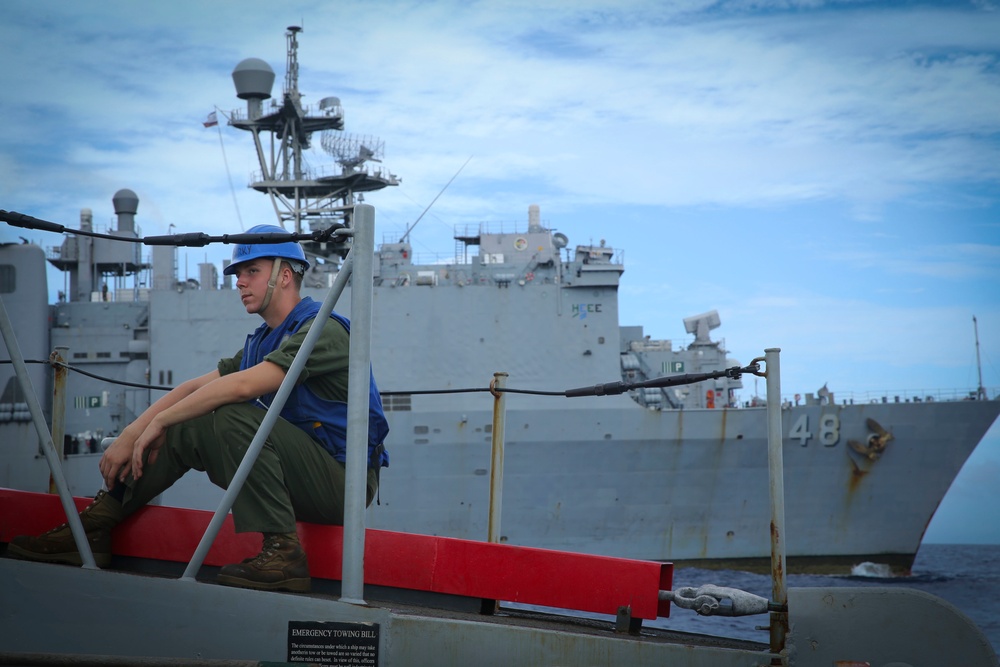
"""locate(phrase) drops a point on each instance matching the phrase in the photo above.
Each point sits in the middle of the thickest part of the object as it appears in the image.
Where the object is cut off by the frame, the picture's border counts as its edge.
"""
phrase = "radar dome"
(253, 79)
(125, 201)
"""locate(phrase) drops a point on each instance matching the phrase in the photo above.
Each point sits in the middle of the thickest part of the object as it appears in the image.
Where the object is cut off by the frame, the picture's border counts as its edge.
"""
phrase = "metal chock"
(625, 622)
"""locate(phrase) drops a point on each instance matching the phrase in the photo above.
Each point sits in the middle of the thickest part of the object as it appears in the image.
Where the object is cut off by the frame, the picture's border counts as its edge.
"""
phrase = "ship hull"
(684, 485)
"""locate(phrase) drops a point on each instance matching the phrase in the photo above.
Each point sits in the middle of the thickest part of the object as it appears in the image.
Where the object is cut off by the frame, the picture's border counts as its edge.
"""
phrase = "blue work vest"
(323, 419)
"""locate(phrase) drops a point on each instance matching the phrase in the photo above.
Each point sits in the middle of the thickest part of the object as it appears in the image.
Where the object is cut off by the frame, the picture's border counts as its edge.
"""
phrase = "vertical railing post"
(775, 463)
(48, 448)
(358, 391)
(496, 463)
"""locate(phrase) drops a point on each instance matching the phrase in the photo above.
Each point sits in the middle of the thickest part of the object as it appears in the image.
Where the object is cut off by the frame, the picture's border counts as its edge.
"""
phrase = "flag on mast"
(211, 121)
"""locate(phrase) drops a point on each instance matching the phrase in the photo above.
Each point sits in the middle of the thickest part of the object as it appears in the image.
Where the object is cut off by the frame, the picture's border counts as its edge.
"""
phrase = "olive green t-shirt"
(326, 369)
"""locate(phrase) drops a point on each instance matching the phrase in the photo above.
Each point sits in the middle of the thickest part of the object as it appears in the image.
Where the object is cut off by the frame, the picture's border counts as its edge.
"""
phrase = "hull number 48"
(828, 433)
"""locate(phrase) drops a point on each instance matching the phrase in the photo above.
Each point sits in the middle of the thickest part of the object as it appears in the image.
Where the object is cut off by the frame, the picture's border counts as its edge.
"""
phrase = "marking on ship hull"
(857, 474)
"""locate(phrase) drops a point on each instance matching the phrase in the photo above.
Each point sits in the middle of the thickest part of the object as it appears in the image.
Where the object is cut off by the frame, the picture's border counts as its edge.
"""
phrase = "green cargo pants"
(294, 477)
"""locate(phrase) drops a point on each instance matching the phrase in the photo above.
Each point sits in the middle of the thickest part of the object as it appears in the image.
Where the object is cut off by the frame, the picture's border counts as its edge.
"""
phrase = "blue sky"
(825, 174)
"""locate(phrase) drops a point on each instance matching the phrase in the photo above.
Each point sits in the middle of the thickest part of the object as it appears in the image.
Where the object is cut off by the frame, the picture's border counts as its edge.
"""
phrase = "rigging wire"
(409, 229)
(95, 376)
(607, 389)
(383, 393)
(229, 175)
(191, 239)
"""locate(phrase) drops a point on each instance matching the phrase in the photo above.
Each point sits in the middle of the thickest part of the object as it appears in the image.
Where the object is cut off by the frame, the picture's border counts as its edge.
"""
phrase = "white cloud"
(684, 109)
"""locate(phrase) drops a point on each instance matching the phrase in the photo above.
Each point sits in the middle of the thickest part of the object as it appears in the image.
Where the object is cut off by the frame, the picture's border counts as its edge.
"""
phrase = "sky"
(825, 174)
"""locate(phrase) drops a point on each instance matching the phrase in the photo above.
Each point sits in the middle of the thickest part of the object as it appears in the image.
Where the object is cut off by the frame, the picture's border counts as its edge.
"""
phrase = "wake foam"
(872, 570)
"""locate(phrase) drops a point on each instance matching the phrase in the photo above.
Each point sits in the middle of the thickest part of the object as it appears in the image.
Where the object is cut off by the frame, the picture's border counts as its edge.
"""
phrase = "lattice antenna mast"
(293, 139)
(303, 199)
(292, 62)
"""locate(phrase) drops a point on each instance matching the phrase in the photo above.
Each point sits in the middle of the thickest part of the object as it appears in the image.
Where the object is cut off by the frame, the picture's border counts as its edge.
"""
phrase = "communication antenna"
(981, 390)
(410, 228)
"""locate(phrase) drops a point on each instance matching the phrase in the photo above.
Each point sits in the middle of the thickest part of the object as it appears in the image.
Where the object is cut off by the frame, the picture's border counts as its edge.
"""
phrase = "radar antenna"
(352, 151)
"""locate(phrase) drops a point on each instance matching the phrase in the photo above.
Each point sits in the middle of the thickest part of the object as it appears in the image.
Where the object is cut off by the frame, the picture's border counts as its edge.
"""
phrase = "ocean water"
(968, 576)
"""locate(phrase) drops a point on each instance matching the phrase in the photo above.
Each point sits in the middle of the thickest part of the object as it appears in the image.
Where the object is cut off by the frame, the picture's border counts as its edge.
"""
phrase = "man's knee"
(237, 417)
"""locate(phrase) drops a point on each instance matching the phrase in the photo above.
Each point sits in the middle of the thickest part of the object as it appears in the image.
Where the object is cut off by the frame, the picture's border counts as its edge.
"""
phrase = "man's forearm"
(167, 401)
(218, 391)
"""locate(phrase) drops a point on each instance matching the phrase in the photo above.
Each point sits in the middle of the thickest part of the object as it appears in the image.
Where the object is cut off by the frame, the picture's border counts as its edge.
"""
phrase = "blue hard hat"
(245, 252)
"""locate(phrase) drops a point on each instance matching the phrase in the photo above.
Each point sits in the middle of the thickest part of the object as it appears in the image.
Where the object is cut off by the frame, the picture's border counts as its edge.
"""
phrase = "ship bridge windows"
(396, 402)
(82, 356)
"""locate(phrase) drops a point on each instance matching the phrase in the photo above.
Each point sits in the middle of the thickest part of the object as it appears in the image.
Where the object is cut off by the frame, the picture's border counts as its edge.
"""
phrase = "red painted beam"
(598, 584)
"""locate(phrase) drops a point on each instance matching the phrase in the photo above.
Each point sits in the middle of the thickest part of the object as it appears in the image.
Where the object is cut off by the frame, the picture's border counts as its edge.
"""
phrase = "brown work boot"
(58, 546)
(280, 566)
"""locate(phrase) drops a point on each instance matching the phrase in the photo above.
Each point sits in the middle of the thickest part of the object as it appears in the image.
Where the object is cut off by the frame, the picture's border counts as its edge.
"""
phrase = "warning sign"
(332, 643)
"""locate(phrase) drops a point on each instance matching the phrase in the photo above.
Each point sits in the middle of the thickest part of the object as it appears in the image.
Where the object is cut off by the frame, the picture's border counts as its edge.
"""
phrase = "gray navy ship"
(661, 473)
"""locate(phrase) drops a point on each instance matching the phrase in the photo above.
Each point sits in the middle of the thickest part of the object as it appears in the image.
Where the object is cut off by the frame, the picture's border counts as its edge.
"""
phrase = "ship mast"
(304, 199)
(981, 390)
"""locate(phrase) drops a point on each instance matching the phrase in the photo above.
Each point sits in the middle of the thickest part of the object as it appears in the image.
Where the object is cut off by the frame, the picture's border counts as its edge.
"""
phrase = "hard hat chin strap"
(275, 270)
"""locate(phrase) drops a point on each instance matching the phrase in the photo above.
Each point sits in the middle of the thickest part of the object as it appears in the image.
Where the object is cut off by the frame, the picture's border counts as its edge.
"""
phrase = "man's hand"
(116, 463)
(152, 439)
(187, 401)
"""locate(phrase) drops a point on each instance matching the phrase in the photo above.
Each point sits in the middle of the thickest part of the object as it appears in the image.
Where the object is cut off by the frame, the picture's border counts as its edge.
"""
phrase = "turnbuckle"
(753, 368)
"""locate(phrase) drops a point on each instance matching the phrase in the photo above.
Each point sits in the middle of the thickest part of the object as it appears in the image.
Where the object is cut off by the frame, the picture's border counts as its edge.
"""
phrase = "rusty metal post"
(496, 463)
(59, 374)
(775, 464)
